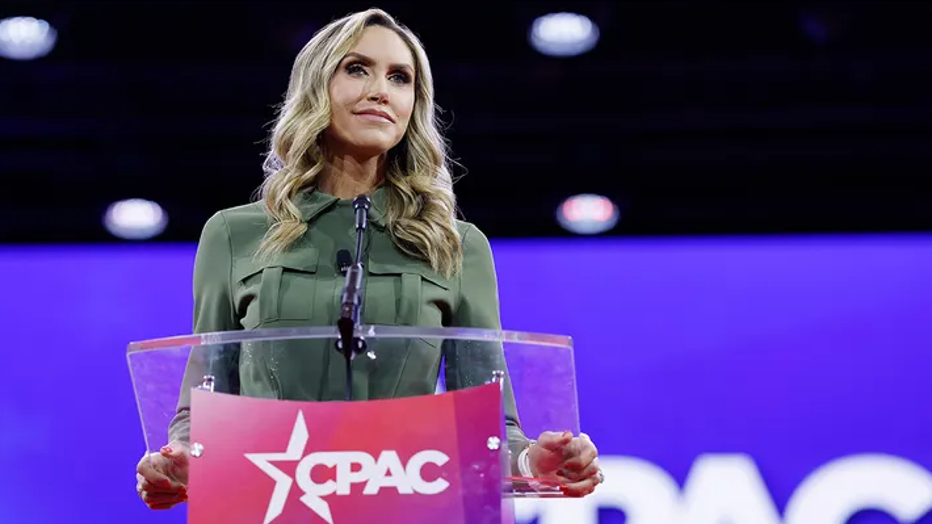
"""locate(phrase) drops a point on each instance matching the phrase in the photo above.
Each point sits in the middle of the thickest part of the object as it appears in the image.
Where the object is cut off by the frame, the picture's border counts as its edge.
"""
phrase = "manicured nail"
(166, 449)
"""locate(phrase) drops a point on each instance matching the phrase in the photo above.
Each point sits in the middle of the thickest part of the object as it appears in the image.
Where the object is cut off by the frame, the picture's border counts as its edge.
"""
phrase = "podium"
(433, 432)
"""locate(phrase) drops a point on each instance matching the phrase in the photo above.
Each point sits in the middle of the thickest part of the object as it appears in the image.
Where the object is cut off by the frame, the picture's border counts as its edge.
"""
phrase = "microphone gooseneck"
(349, 344)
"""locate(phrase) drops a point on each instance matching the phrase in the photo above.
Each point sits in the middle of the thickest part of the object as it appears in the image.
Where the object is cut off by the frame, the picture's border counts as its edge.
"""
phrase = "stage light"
(587, 214)
(135, 219)
(563, 34)
(26, 38)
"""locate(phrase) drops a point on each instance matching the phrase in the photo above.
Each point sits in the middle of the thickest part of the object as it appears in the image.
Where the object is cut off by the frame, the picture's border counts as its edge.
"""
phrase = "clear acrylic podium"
(432, 434)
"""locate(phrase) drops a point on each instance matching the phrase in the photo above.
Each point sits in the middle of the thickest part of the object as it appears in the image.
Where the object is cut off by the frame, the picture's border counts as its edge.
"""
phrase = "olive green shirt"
(235, 290)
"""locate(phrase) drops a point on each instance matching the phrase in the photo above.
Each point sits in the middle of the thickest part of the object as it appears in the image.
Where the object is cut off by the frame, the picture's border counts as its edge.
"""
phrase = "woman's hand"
(573, 461)
(162, 478)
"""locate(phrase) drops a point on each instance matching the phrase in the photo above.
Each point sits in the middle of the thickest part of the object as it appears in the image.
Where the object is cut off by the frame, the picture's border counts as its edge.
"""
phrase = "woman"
(358, 118)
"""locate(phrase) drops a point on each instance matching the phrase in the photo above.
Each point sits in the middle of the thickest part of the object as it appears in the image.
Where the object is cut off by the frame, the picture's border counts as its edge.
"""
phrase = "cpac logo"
(351, 467)
(728, 489)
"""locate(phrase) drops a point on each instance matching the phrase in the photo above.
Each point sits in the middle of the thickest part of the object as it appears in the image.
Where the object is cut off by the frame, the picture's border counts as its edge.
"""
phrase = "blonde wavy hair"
(420, 205)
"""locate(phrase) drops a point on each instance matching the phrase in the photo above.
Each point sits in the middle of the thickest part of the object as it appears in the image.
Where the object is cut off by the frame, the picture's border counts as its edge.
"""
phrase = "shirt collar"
(312, 202)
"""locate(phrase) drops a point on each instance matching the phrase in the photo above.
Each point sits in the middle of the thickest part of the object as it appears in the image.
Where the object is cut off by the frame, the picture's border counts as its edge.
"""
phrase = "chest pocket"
(279, 288)
(405, 294)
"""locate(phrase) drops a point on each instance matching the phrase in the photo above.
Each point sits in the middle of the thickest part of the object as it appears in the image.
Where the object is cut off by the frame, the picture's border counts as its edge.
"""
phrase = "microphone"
(361, 205)
(344, 260)
(347, 343)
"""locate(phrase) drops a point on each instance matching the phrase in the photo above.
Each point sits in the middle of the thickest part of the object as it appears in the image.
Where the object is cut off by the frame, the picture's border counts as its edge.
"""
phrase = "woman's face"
(372, 95)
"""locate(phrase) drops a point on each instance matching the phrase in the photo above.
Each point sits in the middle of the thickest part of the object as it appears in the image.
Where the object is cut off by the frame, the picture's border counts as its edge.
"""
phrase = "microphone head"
(362, 202)
(344, 260)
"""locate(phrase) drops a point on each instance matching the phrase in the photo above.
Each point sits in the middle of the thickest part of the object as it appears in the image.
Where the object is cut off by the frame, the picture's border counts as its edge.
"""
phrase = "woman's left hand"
(573, 461)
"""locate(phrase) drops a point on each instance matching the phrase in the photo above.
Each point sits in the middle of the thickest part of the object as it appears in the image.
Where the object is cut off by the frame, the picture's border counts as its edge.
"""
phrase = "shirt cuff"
(524, 463)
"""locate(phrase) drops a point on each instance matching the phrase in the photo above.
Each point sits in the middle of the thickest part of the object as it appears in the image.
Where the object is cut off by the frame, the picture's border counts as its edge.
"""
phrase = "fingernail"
(166, 449)
(567, 433)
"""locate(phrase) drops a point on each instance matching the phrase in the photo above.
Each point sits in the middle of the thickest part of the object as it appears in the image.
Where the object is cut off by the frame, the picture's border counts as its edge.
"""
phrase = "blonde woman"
(358, 118)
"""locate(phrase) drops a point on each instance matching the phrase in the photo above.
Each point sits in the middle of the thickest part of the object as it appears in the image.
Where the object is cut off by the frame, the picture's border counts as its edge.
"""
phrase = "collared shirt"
(233, 290)
(313, 202)
(303, 285)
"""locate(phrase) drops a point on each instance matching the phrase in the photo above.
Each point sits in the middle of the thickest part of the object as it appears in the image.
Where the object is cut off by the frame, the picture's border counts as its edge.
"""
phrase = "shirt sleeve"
(478, 307)
(213, 311)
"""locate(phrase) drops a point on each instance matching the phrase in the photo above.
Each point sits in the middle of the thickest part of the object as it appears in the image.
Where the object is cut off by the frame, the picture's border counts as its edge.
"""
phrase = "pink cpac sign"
(410, 460)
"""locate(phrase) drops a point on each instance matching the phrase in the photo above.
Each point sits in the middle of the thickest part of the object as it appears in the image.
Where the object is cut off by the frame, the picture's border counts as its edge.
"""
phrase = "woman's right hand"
(162, 478)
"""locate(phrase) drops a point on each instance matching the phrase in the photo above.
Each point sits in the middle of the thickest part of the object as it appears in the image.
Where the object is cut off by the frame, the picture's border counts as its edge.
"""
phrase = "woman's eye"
(401, 78)
(355, 69)
(398, 77)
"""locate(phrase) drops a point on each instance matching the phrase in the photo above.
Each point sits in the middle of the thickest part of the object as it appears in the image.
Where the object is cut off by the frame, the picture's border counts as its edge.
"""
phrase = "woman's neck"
(348, 177)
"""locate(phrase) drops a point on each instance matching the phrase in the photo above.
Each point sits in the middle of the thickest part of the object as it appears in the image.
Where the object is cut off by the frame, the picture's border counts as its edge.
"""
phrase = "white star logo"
(283, 482)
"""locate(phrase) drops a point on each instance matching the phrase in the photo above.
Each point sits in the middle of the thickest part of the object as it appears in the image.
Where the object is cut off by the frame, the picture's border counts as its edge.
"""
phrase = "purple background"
(796, 351)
